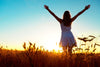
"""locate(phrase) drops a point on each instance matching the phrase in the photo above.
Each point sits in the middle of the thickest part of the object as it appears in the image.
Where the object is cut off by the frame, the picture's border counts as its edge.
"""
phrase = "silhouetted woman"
(67, 38)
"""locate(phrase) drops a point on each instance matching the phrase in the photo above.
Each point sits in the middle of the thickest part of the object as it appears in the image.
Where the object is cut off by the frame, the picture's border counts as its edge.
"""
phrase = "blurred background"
(27, 20)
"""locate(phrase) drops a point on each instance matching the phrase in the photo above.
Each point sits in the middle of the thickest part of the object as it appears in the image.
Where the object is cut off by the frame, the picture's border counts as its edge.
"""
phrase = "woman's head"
(66, 15)
(67, 18)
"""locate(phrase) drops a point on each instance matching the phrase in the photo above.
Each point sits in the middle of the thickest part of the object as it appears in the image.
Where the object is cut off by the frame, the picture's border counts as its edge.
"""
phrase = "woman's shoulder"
(60, 21)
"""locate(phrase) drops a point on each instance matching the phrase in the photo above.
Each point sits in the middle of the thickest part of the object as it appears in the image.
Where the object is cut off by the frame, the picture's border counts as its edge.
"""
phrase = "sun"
(50, 46)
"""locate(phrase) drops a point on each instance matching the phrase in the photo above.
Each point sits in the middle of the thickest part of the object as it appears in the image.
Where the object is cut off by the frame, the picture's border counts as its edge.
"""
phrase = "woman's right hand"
(46, 7)
(87, 7)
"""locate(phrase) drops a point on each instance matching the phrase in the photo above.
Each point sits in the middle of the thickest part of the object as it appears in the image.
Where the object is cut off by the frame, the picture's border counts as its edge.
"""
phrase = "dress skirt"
(67, 39)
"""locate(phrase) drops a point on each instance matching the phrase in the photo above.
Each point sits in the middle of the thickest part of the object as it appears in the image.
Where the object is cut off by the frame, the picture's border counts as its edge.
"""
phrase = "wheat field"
(33, 56)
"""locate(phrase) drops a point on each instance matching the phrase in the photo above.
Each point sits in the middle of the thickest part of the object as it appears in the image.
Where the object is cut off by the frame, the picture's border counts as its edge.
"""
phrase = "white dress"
(67, 38)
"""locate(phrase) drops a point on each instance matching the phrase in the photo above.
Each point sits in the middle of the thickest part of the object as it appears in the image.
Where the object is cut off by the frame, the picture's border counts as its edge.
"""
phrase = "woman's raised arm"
(86, 7)
(57, 18)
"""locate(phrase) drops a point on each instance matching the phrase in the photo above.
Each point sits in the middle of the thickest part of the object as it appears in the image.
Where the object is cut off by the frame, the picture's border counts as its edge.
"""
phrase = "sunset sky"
(27, 20)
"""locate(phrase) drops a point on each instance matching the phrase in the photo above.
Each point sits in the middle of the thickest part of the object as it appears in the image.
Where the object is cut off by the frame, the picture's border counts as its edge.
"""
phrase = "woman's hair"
(67, 18)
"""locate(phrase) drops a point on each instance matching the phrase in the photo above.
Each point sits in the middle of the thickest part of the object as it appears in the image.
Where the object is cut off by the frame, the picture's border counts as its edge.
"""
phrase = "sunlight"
(53, 46)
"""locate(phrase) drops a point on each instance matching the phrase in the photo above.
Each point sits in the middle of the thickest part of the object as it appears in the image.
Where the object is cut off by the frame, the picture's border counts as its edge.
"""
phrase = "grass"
(32, 56)
(14, 58)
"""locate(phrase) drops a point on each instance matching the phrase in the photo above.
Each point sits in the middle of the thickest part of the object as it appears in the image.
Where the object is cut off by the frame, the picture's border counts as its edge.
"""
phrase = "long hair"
(67, 18)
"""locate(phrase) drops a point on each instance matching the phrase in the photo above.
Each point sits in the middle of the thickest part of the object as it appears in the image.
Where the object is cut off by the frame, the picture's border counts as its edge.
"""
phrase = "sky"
(27, 20)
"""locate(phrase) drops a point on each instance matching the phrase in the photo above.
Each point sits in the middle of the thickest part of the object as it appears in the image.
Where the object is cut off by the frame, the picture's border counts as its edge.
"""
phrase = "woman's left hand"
(46, 7)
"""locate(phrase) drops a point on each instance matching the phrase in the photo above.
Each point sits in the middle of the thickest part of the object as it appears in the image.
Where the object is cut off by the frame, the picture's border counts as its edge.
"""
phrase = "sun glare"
(51, 46)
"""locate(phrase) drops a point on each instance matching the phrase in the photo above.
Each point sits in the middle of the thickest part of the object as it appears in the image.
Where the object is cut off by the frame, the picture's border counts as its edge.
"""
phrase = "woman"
(67, 38)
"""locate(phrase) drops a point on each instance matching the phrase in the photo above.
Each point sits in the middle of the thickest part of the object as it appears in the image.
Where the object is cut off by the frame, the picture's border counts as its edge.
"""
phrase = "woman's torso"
(65, 28)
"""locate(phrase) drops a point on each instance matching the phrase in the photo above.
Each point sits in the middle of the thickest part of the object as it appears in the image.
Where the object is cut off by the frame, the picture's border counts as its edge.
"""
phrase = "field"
(14, 58)
(33, 56)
